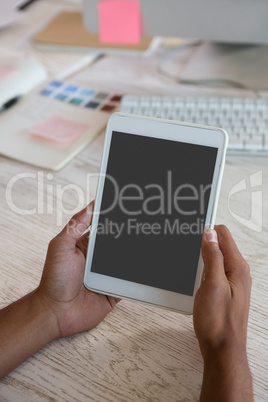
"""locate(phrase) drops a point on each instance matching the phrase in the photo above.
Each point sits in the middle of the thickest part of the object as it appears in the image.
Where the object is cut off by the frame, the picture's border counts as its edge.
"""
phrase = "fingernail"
(211, 235)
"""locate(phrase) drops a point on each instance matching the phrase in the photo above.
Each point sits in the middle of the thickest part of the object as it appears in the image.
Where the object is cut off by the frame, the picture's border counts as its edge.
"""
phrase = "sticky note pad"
(119, 21)
(60, 130)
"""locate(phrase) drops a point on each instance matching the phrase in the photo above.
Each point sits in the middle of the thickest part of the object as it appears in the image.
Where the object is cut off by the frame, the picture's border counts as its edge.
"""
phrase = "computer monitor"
(237, 22)
(231, 21)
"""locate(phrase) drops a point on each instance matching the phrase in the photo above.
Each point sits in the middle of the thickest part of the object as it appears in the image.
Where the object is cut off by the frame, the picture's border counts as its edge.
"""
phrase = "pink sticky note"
(59, 129)
(119, 21)
(5, 71)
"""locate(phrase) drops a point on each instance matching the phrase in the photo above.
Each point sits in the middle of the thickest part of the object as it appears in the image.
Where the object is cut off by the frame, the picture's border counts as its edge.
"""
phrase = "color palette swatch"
(82, 97)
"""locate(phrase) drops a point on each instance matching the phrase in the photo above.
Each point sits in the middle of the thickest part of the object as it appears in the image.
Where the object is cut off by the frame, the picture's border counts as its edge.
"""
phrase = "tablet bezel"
(175, 131)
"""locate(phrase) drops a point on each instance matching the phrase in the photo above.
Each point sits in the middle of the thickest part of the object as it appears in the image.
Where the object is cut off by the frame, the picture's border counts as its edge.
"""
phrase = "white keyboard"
(244, 119)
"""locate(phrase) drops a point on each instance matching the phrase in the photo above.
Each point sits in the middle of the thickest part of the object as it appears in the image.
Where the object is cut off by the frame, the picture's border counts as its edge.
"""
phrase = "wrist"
(27, 325)
(226, 358)
(46, 316)
(227, 375)
(224, 352)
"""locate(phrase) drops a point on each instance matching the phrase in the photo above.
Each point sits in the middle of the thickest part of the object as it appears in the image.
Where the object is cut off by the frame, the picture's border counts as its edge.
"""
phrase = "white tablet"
(158, 189)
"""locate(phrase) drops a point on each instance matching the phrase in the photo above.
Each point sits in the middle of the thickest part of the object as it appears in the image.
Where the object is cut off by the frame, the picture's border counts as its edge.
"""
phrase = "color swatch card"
(55, 123)
(81, 96)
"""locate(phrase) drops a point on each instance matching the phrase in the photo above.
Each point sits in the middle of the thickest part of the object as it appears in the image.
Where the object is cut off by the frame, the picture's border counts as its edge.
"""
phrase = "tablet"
(158, 189)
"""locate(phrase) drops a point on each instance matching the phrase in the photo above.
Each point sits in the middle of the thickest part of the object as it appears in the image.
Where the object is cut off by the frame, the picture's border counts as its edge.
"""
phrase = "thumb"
(212, 256)
(78, 224)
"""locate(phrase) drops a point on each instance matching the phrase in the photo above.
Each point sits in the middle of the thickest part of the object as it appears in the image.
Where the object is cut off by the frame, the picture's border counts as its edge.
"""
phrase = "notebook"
(19, 76)
(48, 127)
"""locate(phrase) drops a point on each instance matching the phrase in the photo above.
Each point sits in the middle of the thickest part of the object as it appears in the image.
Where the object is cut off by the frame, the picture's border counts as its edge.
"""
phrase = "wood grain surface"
(137, 353)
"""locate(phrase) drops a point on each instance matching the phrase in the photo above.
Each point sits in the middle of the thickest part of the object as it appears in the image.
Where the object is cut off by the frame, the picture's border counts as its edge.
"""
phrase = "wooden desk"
(138, 353)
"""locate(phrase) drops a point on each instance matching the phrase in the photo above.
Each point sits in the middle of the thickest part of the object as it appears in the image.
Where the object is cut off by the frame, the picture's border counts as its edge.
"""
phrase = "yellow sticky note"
(119, 21)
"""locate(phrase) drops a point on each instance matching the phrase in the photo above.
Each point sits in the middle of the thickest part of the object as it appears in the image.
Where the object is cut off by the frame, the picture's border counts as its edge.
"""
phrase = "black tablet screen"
(154, 205)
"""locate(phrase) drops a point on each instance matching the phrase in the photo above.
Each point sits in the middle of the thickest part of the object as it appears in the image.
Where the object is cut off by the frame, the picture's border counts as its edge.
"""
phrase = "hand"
(61, 288)
(222, 301)
(221, 316)
(60, 306)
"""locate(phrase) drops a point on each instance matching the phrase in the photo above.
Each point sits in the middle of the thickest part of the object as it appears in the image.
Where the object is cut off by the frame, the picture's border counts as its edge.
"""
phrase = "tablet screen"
(153, 211)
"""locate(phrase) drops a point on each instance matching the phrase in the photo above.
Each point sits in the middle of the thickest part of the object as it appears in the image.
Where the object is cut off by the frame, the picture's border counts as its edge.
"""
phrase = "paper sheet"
(119, 21)
(8, 14)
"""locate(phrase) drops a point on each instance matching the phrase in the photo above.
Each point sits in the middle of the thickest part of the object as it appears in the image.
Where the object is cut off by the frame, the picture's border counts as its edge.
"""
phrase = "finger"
(78, 223)
(113, 300)
(212, 256)
(234, 262)
(227, 244)
(82, 243)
